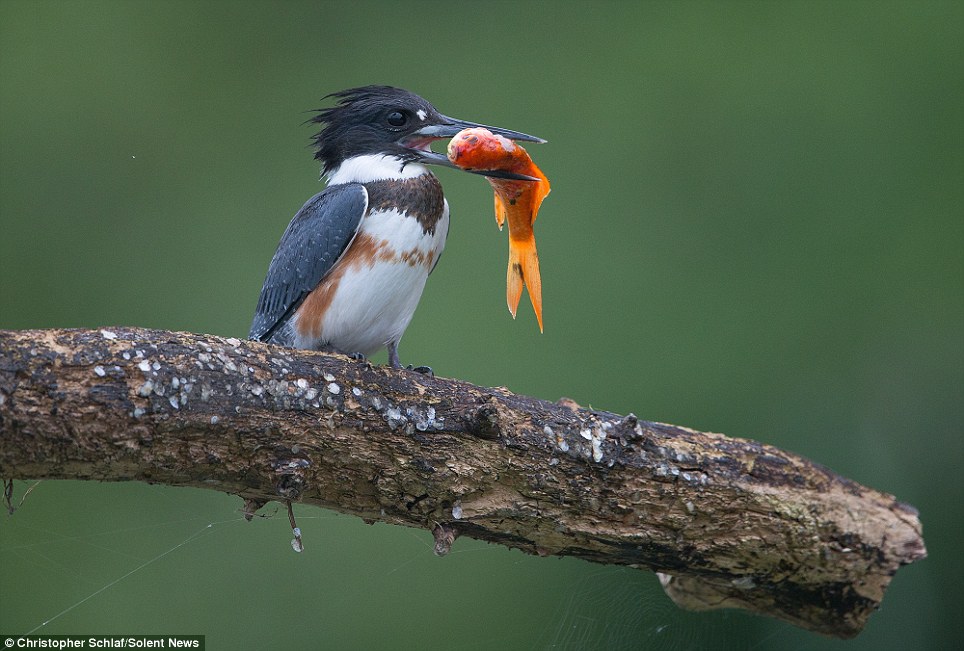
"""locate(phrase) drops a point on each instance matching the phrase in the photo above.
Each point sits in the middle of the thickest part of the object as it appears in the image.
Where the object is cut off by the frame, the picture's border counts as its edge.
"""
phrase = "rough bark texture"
(726, 522)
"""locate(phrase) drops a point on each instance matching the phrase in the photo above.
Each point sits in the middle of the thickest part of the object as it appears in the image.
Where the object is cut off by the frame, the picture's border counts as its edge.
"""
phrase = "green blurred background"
(755, 228)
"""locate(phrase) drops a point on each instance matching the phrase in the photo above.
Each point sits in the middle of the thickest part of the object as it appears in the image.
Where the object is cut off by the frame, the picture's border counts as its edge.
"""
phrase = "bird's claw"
(328, 348)
(424, 370)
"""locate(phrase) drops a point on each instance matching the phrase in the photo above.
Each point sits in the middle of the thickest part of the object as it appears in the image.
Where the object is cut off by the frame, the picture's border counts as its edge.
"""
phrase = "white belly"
(378, 289)
(373, 307)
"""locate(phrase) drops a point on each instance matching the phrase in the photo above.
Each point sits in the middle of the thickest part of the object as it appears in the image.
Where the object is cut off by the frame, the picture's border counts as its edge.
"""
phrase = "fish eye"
(397, 119)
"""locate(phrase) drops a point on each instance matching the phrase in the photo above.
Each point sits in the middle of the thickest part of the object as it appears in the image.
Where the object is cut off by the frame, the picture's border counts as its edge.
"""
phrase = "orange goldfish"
(518, 201)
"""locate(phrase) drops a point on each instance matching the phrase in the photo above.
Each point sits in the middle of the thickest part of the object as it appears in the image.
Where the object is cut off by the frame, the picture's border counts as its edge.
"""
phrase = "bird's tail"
(524, 270)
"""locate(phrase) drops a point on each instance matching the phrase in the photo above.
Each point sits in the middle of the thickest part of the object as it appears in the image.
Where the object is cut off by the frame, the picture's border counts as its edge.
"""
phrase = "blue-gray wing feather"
(311, 245)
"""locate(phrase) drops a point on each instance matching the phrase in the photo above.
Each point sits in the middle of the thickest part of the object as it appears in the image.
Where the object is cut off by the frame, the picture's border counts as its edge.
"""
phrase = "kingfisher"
(352, 264)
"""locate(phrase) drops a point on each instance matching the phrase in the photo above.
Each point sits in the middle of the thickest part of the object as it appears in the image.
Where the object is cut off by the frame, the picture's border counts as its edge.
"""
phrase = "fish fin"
(542, 189)
(523, 270)
(500, 211)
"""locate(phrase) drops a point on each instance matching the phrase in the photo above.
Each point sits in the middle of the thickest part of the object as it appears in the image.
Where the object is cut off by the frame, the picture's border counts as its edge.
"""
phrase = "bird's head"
(382, 120)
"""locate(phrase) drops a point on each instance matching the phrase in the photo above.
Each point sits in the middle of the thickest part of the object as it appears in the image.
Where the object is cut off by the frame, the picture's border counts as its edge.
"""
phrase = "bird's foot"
(424, 370)
(392, 347)
(394, 363)
(328, 348)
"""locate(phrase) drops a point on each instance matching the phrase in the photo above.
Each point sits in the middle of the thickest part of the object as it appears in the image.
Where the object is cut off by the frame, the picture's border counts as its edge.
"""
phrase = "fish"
(516, 201)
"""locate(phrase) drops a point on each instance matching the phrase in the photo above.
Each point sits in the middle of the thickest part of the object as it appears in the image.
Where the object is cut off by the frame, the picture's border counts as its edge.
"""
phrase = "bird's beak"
(448, 127)
(420, 141)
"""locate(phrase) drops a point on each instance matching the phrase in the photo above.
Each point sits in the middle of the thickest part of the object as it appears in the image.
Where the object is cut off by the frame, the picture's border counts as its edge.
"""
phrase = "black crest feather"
(351, 125)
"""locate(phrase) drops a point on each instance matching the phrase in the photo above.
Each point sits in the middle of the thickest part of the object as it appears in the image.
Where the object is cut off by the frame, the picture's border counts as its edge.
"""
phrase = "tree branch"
(728, 523)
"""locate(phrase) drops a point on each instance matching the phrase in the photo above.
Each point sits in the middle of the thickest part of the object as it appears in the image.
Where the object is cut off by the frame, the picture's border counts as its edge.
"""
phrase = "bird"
(351, 266)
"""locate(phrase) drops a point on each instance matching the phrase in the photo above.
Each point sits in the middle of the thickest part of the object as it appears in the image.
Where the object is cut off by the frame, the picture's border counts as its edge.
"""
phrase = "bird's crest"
(355, 110)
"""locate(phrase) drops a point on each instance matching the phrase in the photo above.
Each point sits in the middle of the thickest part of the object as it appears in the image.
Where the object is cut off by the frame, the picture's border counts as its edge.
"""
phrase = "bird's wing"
(311, 245)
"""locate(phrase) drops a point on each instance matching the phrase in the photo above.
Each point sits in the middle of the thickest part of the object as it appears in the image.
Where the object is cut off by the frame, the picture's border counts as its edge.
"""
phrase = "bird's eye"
(397, 119)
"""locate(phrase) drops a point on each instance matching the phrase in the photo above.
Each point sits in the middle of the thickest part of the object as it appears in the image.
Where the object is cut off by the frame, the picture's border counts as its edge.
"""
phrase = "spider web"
(84, 558)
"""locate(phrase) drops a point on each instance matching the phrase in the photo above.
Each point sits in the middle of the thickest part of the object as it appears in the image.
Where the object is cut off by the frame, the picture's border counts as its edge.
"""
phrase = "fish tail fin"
(524, 270)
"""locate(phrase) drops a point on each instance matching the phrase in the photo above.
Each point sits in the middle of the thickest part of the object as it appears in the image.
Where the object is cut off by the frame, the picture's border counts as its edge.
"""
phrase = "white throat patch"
(374, 167)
